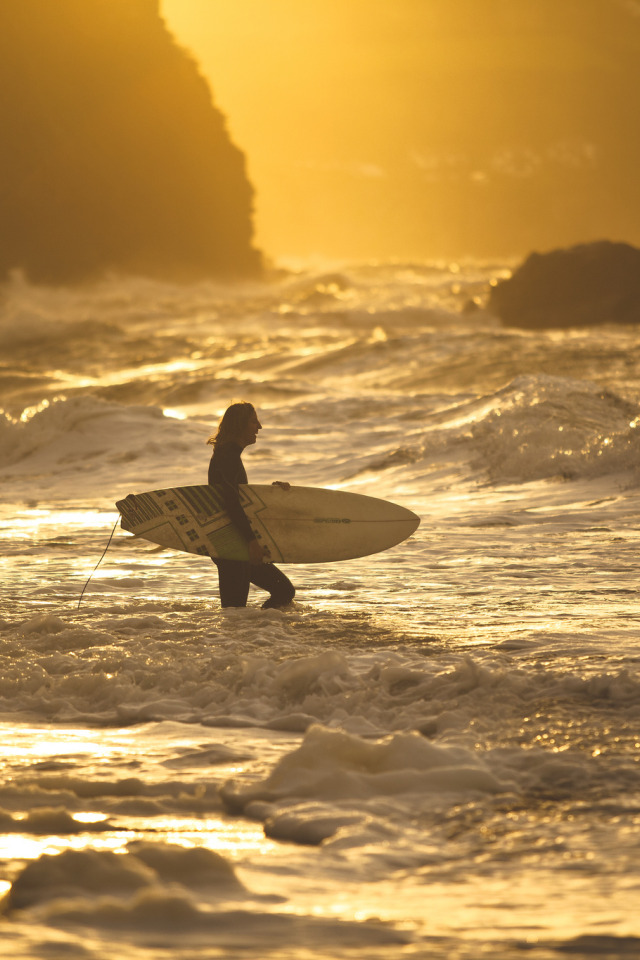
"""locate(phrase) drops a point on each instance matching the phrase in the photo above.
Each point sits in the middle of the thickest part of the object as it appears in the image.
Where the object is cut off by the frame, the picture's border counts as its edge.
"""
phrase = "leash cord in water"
(99, 561)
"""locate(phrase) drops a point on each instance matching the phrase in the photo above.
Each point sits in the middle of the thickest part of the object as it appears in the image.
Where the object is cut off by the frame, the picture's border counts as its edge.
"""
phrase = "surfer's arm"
(231, 500)
(226, 472)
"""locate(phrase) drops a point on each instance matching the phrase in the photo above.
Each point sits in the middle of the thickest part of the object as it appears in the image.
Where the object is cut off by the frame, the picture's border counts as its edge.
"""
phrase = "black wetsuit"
(226, 471)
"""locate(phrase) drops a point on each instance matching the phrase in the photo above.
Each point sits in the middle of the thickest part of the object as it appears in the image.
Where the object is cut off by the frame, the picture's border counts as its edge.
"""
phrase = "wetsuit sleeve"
(225, 473)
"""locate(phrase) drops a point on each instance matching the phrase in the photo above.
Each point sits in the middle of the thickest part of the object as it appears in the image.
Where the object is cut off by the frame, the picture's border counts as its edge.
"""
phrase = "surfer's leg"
(233, 580)
(268, 577)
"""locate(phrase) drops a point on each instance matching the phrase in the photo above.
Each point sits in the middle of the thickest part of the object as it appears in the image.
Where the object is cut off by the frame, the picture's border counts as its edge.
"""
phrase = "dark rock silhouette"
(586, 284)
(113, 156)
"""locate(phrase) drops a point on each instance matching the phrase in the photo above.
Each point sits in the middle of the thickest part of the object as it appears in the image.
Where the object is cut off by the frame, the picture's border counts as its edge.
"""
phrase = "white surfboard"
(299, 525)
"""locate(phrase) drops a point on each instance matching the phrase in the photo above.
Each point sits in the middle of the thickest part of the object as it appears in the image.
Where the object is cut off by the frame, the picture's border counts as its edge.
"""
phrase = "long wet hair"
(234, 419)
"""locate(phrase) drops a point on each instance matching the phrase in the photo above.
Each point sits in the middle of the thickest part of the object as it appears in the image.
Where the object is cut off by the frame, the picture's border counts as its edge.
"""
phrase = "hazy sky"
(294, 78)
(407, 127)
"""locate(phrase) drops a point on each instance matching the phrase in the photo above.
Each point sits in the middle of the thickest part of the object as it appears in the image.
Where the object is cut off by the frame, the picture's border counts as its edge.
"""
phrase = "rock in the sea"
(113, 156)
(587, 284)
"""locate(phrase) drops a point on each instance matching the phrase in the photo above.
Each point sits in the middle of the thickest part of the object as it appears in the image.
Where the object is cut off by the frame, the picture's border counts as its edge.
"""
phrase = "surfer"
(238, 429)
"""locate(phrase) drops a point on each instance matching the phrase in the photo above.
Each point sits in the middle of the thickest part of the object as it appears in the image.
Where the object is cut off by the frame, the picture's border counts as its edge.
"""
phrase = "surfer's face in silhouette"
(249, 432)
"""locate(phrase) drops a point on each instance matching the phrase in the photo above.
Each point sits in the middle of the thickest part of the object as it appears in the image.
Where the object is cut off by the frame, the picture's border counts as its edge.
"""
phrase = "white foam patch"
(177, 892)
(333, 765)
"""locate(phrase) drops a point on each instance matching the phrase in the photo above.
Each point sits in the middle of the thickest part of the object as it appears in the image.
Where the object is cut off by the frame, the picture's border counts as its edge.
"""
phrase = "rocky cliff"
(590, 283)
(113, 156)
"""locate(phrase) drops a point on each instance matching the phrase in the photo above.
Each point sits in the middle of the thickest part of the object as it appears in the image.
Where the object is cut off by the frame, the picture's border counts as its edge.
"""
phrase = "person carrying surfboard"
(238, 429)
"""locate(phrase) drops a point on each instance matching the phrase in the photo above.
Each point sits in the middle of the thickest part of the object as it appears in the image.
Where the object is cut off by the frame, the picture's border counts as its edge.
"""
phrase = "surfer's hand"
(257, 553)
(281, 483)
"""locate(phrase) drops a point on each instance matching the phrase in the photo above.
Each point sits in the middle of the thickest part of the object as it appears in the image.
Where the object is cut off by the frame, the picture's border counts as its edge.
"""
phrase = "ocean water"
(435, 751)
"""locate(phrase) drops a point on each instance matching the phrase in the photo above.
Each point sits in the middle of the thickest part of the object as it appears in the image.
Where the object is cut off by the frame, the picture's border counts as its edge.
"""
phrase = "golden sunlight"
(281, 73)
(421, 128)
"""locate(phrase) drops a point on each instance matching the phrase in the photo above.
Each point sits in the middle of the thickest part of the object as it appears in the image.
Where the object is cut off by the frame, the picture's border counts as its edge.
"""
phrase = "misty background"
(428, 128)
(178, 137)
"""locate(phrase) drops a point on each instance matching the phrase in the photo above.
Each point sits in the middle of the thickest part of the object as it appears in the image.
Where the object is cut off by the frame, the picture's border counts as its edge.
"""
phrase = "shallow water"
(434, 752)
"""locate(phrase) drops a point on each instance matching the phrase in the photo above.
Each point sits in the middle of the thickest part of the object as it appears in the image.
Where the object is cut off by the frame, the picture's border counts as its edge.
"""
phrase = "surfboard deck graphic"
(299, 525)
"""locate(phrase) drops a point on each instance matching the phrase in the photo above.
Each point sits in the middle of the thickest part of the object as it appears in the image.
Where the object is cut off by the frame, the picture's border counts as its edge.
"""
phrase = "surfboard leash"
(104, 553)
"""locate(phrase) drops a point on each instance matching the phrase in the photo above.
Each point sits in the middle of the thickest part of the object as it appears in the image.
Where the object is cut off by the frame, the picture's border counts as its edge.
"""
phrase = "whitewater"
(435, 751)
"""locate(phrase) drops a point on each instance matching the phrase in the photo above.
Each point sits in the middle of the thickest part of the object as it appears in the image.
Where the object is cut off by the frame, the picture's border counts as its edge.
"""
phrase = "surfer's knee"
(281, 597)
